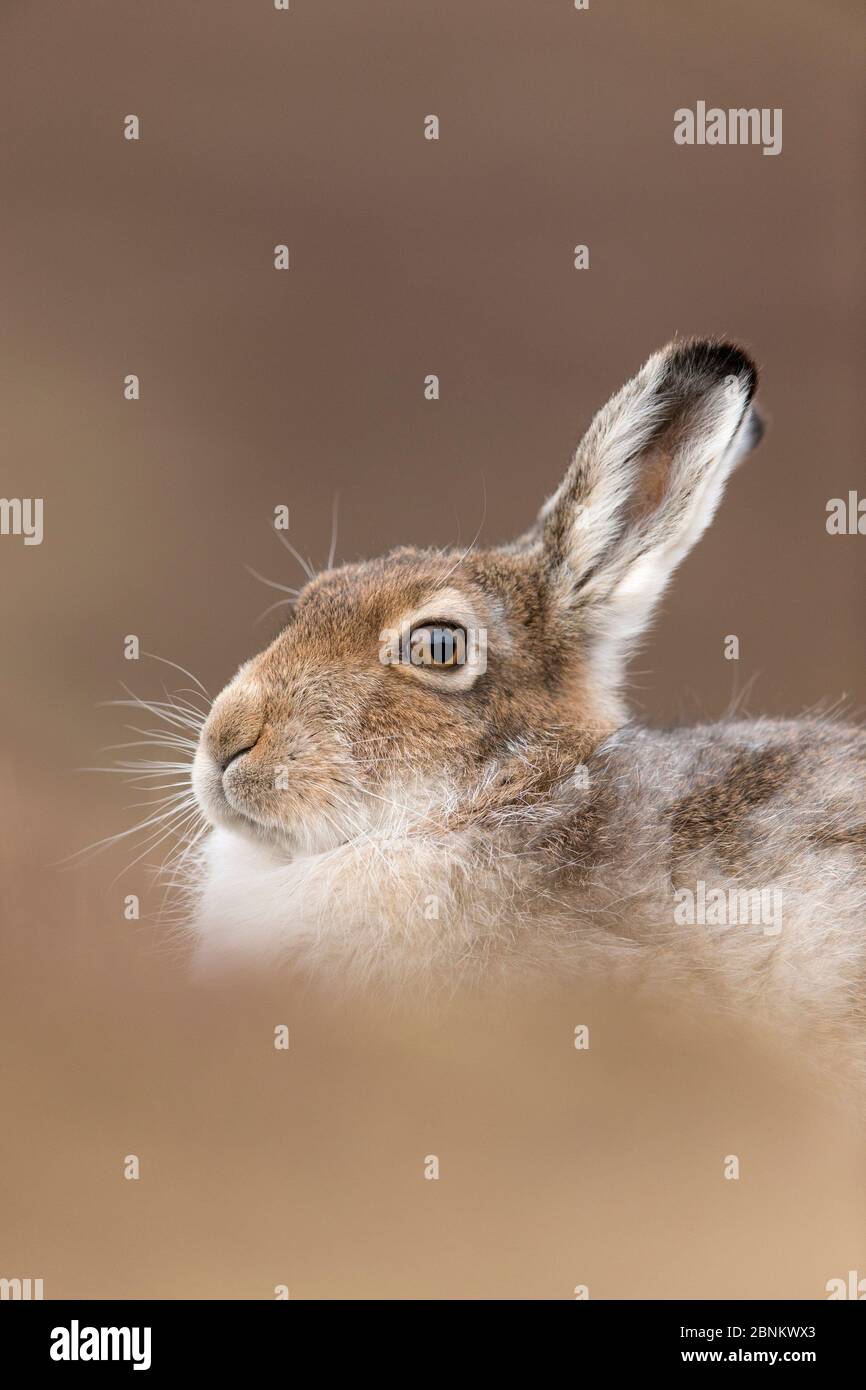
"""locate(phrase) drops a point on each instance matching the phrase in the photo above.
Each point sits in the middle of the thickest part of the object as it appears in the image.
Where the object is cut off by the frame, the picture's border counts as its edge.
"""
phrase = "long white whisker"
(335, 510)
(182, 669)
(119, 835)
(168, 738)
(272, 583)
(180, 745)
(474, 540)
(171, 829)
(304, 564)
(168, 712)
(280, 603)
(179, 722)
(179, 704)
(175, 787)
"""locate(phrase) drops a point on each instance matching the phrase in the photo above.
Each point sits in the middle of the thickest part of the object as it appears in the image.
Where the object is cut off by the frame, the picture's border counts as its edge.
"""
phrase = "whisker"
(280, 603)
(182, 669)
(170, 829)
(176, 703)
(164, 737)
(170, 713)
(305, 565)
(473, 542)
(159, 787)
(181, 744)
(272, 583)
(334, 514)
(119, 835)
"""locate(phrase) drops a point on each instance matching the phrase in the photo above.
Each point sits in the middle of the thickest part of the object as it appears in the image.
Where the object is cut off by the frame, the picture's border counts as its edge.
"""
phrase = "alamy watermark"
(732, 907)
(22, 516)
(77, 1343)
(21, 1289)
(434, 646)
(853, 1287)
(846, 516)
(736, 126)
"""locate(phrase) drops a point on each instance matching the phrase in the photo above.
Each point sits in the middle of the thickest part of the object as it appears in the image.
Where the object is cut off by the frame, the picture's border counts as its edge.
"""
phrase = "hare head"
(400, 682)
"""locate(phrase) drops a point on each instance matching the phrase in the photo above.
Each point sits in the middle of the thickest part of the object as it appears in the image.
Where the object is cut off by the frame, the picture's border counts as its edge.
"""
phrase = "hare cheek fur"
(412, 827)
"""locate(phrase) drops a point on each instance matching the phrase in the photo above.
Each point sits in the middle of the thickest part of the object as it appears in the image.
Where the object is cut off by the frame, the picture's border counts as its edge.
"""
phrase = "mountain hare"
(430, 775)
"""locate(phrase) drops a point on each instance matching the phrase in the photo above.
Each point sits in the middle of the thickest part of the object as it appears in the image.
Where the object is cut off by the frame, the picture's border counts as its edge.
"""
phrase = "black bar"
(238, 1336)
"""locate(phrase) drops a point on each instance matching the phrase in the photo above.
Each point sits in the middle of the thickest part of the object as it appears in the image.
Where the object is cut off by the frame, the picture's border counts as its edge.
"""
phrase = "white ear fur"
(643, 486)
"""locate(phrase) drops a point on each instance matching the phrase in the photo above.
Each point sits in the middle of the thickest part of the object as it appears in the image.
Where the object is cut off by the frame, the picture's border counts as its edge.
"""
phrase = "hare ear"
(643, 486)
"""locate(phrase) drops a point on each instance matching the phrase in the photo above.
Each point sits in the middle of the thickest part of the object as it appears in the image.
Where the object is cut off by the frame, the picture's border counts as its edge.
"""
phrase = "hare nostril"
(226, 760)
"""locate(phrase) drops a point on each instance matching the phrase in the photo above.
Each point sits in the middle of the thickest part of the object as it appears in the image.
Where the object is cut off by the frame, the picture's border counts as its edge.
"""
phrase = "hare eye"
(439, 646)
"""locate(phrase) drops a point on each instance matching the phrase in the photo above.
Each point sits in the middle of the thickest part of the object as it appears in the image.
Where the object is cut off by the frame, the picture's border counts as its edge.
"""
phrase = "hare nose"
(234, 728)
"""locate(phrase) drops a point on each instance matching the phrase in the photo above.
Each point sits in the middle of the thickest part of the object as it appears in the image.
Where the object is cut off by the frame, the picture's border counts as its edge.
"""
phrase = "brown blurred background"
(408, 257)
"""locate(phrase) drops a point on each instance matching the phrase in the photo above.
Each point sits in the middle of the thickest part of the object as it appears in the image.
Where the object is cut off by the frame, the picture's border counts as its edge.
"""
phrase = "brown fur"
(716, 814)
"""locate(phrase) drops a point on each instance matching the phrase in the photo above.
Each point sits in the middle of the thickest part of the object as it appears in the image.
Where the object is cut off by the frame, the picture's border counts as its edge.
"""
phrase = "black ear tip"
(698, 364)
